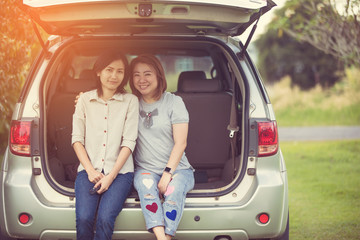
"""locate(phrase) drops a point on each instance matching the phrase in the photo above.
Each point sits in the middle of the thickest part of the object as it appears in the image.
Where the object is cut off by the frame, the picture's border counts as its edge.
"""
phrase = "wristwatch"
(168, 170)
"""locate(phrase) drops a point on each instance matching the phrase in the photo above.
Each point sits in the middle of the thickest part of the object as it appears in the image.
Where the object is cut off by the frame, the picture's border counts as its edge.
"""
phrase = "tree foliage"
(287, 49)
(325, 24)
(282, 55)
(18, 45)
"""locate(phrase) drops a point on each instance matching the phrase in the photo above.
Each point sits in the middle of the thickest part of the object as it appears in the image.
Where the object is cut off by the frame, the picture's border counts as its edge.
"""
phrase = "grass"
(339, 105)
(323, 176)
(323, 189)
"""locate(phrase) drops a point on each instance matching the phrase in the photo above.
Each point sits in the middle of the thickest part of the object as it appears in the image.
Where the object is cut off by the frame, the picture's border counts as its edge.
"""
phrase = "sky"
(260, 29)
(266, 18)
(263, 22)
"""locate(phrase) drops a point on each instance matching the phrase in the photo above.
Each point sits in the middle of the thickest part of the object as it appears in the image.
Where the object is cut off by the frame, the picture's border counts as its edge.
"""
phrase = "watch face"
(167, 169)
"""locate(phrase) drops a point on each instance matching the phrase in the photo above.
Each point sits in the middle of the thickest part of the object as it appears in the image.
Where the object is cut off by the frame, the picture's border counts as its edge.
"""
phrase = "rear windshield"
(173, 66)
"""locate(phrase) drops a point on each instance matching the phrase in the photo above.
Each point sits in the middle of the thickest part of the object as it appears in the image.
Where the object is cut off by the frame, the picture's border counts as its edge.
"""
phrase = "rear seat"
(209, 110)
(63, 162)
(208, 142)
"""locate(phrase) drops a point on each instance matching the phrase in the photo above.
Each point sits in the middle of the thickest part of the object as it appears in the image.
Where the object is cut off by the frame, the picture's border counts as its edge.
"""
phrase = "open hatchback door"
(220, 17)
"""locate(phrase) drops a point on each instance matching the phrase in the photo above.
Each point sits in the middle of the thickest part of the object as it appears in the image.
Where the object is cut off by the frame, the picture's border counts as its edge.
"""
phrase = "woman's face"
(112, 75)
(145, 80)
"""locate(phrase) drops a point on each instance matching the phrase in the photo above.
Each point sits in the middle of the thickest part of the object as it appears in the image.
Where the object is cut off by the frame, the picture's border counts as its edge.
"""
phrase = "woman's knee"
(183, 179)
(84, 221)
(105, 220)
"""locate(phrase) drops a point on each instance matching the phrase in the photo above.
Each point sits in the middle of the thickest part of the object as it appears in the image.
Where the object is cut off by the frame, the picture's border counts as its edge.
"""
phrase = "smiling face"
(112, 76)
(145, 81)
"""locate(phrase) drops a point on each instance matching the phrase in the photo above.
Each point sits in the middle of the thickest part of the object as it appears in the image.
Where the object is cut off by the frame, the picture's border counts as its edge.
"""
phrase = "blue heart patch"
(171, 215)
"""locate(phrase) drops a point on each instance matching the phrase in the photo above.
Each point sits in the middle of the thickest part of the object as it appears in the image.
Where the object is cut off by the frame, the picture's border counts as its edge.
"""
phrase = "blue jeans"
(107, 206)
(168, 212)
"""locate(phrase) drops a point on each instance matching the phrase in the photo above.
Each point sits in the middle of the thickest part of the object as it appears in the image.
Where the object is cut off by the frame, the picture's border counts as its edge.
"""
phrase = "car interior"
(196, 70)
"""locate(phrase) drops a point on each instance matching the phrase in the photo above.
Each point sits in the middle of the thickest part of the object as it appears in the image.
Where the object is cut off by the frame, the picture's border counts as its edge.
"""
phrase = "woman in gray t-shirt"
(163, 175)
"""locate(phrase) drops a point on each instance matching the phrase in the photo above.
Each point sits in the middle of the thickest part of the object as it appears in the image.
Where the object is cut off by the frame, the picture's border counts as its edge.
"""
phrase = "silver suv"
(241, 189)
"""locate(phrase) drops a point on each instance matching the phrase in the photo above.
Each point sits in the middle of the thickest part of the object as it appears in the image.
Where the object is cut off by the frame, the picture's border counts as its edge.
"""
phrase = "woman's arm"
(78, 141)
(93, 175)
(180, 132)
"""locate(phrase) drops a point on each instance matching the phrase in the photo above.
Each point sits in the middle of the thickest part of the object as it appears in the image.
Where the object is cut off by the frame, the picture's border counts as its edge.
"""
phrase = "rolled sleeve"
(78, 126)
(131, 124)
(179, 111)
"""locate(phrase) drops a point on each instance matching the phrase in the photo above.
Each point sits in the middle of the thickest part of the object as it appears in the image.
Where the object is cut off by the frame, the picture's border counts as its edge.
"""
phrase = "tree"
(329, 27)
(281, 55)
(18, 46)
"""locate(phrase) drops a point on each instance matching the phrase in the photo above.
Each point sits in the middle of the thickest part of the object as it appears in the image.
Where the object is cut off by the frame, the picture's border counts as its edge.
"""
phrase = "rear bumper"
(199, 221)
(144, 235)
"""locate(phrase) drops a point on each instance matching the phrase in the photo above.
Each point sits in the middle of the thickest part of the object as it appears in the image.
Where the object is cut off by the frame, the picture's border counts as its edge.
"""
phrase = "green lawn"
(335, 106)
(324, 181)
(299, 116)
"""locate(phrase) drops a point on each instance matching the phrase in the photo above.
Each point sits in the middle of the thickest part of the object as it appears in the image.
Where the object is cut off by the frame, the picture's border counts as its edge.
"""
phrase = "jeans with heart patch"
(166, 211)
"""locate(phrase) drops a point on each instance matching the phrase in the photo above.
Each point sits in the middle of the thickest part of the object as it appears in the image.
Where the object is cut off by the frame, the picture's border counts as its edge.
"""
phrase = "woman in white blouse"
(105, 128)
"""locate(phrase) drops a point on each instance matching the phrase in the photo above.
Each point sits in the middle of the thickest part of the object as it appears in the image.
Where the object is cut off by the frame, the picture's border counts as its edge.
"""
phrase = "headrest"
(192, 75)
(72, 85)
(195, 81)
(199, 85)
(87, 73)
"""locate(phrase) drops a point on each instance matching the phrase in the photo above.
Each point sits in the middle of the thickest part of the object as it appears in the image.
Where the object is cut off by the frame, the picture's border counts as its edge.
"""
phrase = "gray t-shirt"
(155, 140)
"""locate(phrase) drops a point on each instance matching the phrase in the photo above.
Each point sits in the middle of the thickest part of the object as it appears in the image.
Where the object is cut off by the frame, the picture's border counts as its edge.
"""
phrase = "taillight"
(267, 138)
(20, 137)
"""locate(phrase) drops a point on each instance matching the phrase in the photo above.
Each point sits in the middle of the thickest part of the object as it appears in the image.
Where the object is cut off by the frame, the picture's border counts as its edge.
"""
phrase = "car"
(241, 187)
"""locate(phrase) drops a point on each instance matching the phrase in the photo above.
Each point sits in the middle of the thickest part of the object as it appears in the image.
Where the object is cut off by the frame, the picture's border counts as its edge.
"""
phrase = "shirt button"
(105, 104)
(102, 159)
(104, 145)
(105, 117)
(104, 131)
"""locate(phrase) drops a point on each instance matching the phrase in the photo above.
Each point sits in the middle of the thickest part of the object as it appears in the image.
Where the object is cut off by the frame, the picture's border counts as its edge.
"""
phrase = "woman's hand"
(95, 176)
(164, 182)
(104, 184)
